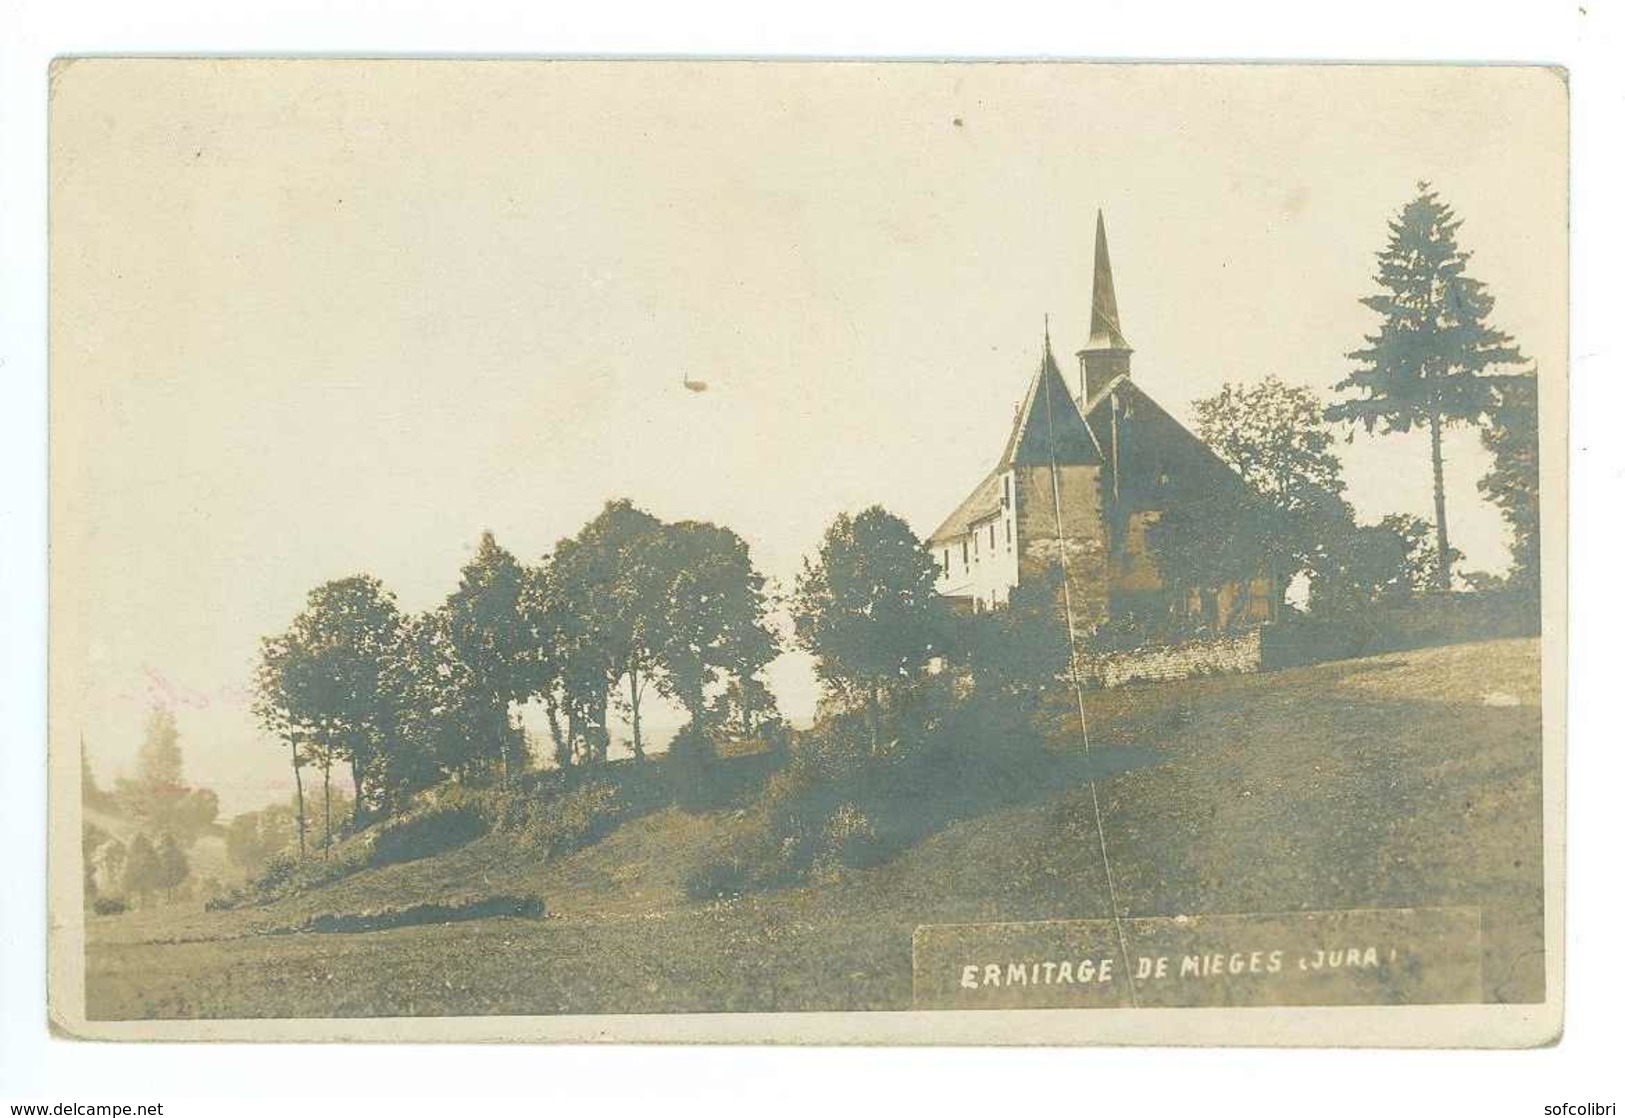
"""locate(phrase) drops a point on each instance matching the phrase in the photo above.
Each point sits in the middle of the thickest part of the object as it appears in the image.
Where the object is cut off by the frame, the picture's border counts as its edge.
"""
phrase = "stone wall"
(1217, 656)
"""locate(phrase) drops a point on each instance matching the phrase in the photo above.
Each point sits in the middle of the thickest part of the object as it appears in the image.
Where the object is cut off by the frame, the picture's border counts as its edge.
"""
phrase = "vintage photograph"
(807, 551)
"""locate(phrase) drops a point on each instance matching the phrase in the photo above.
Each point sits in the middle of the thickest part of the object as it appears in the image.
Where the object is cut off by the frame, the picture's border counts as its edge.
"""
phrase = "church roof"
(1157, 459)
(1048, 428)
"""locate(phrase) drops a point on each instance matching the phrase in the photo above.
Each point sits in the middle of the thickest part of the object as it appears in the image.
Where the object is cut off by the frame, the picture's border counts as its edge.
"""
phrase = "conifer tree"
(1425, 365)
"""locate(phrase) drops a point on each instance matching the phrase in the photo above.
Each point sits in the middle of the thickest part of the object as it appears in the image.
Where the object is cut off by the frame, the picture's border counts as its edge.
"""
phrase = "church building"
(1081, 479)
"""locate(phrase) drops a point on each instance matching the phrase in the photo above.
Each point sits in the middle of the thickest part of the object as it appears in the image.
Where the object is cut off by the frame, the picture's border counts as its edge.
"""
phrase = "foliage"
(714, 610)
(157, 798)
(173, 867)
(839, 804)
(143, 873)
(868, 609)
(1513, 481)
(427, 831)
(527, 907)
(600, 616)
(1201, 545)
(579, 816)
(746, 711)
(1275, 436)
(443, 722)
(254, 837)
(691, 768)
(487, 631)
(1021, 649)
(1372, 565)
(1425, 365)
(321, 684)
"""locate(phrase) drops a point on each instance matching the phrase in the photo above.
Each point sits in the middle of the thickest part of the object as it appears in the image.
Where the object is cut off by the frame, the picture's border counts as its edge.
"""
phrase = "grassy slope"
(1379, 782)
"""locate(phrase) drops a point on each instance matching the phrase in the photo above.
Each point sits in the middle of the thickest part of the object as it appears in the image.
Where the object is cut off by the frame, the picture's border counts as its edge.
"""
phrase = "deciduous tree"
(1513, 481)
(1276, 437)
(867, 609)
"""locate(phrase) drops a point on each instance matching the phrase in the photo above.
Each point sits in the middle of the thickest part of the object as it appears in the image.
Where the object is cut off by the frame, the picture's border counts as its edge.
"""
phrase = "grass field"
(1407, 779)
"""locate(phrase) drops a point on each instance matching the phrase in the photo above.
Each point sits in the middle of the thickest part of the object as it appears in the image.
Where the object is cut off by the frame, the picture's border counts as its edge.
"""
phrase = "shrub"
(528, 907)
(839, 803)
(432, 830)
(691, 770)
(848, 839)
(720, 878)
(555, 825)
(109, 906)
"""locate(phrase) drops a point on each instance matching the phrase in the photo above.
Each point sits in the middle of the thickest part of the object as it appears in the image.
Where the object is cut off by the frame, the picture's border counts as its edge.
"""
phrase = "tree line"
(1425, 367)
(167, 814)
(404, 701)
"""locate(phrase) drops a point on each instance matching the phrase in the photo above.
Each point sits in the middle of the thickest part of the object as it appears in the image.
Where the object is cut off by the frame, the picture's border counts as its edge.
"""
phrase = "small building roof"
(984, 501)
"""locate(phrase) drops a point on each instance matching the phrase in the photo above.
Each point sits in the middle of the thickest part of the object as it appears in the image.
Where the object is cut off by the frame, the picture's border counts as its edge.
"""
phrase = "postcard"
(976, 552)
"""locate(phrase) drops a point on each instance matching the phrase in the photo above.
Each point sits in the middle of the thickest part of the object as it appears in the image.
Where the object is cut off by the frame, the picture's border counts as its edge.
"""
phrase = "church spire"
(1106, 355)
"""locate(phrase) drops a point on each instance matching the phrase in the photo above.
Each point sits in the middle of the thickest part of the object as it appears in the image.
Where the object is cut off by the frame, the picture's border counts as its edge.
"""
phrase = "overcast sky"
(317, 318)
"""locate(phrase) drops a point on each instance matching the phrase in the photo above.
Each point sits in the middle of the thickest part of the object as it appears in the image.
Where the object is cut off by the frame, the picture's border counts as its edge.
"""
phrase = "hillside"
(1408, 779)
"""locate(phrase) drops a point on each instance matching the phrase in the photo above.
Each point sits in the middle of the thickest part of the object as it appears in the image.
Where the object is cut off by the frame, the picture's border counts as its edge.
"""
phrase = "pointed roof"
(1105, 328)
(1049, 426)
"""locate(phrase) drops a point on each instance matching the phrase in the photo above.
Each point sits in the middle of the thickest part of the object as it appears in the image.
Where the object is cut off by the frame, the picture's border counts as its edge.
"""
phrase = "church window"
(1006, 490)
(964, 553)
(1007, 532)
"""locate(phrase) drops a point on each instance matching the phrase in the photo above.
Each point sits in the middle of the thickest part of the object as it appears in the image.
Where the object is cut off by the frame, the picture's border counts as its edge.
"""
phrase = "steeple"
(1106, 355)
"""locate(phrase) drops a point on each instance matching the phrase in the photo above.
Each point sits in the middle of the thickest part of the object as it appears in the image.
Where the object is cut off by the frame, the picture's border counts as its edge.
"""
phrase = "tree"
(1372, 565)
(278, 693)
(1275, 436)
(1513, 481)
(110, 859)
(158, 797)
(542, 607)
(489, 634)
(173, 867)
(158, 787)
(602, 609)
(1425, 365)
(143, 874)
(1018, 651)
(92, 795)
(868, 609)
(1218, 540)
(713, 621)
(253, 837)
(445, 721)
(92, 838)
(321, 682)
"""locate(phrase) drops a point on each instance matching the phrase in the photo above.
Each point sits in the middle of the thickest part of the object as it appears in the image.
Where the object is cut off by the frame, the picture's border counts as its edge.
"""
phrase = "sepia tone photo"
(931, 552)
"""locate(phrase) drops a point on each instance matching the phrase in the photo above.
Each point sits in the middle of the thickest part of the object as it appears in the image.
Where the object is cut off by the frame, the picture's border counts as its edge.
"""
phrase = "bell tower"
(1106, 356)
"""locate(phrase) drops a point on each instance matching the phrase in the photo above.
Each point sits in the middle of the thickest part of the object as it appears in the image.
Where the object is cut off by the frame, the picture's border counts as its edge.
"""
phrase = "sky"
(315, 318)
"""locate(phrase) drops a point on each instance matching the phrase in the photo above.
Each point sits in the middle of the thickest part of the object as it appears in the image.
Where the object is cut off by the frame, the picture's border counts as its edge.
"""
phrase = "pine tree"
(1425, 365)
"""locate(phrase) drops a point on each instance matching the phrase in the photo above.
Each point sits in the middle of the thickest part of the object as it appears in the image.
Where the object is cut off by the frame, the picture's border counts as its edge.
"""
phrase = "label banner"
(1394, 956)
